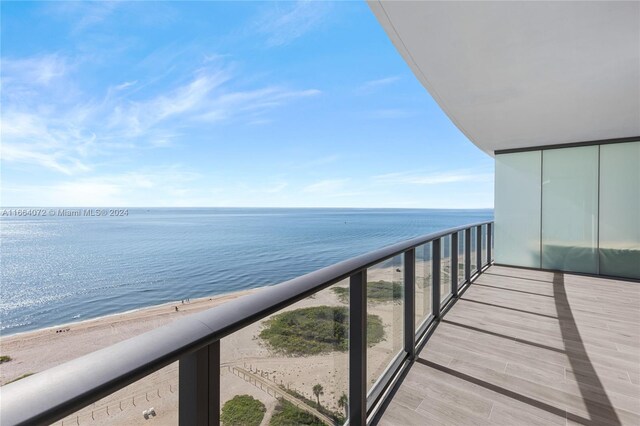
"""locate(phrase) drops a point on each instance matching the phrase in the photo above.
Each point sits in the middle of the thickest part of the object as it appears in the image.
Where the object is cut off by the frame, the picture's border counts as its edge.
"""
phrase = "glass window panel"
(461, 273)
(385, 303)
(152, 398)
(620, 209)
(423, 283)
(445, 267)
(517, 209)
(295, 361)
(570, 209)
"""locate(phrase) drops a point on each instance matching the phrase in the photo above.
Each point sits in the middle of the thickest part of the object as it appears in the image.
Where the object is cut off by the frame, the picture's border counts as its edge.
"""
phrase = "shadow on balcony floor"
(504, 355)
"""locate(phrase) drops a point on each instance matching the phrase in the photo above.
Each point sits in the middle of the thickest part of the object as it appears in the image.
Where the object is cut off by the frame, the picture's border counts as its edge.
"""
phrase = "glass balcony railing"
(324, 348)
(423, 284)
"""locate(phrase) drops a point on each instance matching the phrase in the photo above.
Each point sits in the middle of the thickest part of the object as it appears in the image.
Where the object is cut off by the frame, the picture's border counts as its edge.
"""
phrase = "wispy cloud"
(372, 85)
(85, 14)
(171, 184)
(126, 84)
(66, 135)
(137, 117)
(282, 27)
(35, 139)
(433, 178)
(254, 102)
(36, 70)
(325, 186)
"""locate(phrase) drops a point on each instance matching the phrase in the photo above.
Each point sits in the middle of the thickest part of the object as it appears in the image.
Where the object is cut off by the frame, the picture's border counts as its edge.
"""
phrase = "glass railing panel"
(461, 265)
(493, 239)
(291, 367)
(474, 246)
(152, 398)
(423, 284)
(385, 318)
(485, 242)
(445, 267)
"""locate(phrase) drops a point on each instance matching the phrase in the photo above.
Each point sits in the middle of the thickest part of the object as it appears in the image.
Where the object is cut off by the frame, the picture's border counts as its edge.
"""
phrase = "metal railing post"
(454, 264)
(479, 247)
(409, 302)
(467, 255)
(199, 387)
(358, 349)
(489, 228)
(435, 274)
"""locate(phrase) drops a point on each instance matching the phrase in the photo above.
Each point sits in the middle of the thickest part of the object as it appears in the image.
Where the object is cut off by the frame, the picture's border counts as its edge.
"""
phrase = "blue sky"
(220, 104)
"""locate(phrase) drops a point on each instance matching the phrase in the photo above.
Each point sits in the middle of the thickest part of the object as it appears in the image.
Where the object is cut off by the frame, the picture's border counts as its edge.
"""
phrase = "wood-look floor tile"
(527, 347)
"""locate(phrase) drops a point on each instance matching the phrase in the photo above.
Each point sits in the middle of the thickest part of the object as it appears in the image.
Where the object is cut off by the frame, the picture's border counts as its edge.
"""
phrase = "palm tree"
(317, 391)
(343, 403)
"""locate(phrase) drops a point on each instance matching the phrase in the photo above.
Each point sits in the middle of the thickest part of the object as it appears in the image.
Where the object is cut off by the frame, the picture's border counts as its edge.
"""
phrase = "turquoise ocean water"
(57, 269)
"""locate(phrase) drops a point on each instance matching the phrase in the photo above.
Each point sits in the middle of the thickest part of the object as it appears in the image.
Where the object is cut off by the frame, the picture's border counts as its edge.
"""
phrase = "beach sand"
(247, 366)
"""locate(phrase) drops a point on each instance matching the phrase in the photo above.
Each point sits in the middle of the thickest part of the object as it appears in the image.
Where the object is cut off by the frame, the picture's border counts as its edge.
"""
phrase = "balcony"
(350, 330)
(529, 347)
(455, 344)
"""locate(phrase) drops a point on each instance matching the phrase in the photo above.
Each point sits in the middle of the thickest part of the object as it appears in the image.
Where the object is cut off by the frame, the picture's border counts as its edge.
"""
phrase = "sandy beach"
(247, 366)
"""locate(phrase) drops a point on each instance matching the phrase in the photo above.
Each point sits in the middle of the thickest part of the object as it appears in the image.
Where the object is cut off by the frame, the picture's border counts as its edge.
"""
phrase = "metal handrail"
(59, 391)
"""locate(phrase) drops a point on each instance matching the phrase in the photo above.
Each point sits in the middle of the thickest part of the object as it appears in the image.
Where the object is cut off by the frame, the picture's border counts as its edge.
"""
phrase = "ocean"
(59, 269)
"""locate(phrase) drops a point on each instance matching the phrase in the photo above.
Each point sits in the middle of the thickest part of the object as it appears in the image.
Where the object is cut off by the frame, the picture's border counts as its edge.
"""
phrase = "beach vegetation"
(318, 390)
(315, 330)
(343, 402)
(4, 358)
(337, 417)
(287, 414)
(242, 410)
(377, 292)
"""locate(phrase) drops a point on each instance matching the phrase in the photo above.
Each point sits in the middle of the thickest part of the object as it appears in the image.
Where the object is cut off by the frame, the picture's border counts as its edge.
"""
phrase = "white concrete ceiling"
(522, 74)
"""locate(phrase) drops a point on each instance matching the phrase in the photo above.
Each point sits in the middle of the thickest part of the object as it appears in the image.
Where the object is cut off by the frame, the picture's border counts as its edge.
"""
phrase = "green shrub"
(4, 358)
(315, 330)
(287, 414)
(338, 418)
(377, 291)
(242, 410)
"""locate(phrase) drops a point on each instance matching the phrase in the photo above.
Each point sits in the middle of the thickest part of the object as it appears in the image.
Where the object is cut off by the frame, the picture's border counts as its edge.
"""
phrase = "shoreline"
(37, 350)
(128, 312)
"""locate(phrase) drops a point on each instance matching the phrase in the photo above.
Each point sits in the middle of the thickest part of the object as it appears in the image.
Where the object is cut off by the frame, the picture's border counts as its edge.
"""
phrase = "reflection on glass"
(570, 209)
(445, 267)
(620, 209)
(385, 291)
(461, 271)
(517, 208)
(291, 367)
(152, 398)
(423, 283)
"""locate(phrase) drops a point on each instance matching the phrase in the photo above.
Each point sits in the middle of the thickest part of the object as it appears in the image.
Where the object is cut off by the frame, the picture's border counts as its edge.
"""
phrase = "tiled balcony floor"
(524, 347)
